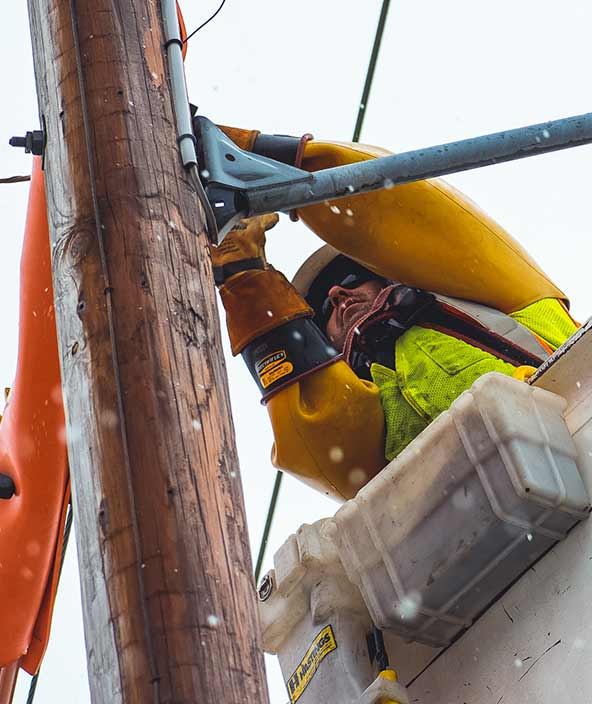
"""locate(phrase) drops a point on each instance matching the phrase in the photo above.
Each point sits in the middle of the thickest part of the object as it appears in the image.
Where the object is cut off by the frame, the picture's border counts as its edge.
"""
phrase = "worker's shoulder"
(549, 319)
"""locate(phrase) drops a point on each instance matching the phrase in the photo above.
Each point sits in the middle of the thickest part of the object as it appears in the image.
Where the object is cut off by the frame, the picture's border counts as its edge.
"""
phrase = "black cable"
(270, 512)
(15, 179)
(370, 71)
(201, 26)
(32, 689)
(67, 531)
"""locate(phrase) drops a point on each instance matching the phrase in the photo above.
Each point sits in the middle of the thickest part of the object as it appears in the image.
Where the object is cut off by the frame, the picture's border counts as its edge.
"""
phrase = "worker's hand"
(243, 248)
(524, 372)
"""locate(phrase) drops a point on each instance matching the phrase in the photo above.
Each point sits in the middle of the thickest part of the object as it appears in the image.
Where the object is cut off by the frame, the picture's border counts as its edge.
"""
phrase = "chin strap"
(379, 306)
(398, 307)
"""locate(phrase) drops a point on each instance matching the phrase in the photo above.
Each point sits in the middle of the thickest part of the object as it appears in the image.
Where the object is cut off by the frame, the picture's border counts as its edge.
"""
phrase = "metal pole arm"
(385, 172)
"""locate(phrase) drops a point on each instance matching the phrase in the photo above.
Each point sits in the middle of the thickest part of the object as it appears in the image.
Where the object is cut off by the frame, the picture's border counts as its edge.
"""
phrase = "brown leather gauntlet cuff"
(245, 139)
(258, 301)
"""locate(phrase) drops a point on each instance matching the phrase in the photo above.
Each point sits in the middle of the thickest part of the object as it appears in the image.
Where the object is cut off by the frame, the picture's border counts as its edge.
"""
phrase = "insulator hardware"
(33, 142)
(265, 587)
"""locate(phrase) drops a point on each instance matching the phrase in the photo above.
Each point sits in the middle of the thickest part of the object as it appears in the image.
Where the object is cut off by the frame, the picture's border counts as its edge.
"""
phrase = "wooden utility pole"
(168, 597)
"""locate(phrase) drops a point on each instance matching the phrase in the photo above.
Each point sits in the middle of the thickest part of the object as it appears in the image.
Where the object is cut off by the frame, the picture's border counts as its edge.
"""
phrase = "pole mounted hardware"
(241, 184)
(230, 175)
(7, 488)
(265, 588)
(33, 142)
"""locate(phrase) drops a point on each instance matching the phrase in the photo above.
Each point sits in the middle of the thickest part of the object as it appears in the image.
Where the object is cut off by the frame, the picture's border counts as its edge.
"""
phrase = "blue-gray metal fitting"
(241, 184)
(230, 174)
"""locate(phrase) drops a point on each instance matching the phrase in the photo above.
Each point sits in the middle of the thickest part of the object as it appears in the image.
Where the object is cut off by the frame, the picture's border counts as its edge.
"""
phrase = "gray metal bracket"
(229, 174)
(241, 184)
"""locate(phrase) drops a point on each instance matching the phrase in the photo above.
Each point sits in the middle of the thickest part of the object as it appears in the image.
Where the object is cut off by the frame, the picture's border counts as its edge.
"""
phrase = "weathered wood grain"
(168, 597)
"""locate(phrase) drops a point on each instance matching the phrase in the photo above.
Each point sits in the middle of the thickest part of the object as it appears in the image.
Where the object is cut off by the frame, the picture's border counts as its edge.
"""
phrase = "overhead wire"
(201, 26)
(268, 520)
(371, 69)
(15, 179)
(356, 138)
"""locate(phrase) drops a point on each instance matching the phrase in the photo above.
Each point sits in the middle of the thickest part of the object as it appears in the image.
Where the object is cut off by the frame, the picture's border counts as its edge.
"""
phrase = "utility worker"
(360, 353)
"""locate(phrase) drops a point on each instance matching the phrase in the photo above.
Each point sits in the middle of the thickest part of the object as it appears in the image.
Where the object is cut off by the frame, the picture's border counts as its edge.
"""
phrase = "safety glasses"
(350, 282)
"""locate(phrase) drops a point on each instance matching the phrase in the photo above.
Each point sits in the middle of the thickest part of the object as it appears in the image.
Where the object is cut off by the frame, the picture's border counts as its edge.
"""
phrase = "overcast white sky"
(446, 71)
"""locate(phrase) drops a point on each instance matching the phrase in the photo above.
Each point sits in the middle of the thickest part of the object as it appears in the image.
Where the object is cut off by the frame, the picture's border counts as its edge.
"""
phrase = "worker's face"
(348, 306)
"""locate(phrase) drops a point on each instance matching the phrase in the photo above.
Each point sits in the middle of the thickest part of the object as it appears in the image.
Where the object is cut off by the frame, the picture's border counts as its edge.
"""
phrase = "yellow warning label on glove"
(321, 646)
(273, 367)
(276, 373)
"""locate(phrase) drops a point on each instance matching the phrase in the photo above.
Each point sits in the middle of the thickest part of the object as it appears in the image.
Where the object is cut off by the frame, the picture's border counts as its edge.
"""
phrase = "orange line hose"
(183, 30)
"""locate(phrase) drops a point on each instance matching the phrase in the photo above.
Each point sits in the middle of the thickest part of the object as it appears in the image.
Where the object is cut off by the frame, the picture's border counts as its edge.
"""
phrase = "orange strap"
(182, 30)
(33, 454)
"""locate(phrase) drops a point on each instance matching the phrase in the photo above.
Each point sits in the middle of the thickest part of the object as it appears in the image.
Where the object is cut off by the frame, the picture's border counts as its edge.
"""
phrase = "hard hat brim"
(312, 267)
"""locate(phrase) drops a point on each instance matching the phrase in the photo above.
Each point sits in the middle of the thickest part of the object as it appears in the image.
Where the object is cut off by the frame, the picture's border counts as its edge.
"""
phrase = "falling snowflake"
(336, 454)
(408, 607)
(357, 477)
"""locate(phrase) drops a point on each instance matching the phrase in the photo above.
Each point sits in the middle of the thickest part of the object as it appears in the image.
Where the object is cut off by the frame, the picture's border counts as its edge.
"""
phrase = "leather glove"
(243, 248)
(245, 139)
(257, 298)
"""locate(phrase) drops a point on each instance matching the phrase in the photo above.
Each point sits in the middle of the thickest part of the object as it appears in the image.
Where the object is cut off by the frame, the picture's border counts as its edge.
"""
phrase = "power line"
(15, 179)
(370, 71)
(201, 26)
(356, 136)
(270, 513)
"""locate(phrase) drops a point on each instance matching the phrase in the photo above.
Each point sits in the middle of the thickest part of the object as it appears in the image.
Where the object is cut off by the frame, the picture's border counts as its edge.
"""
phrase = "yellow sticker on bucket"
(322, 645)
